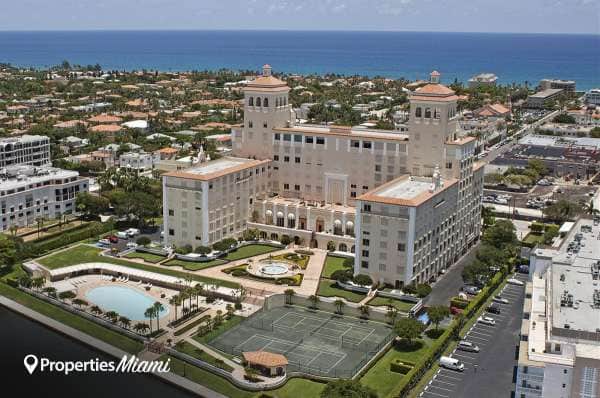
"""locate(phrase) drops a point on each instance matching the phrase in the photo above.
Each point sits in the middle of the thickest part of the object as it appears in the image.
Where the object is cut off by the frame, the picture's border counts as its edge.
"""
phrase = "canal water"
(20, 336)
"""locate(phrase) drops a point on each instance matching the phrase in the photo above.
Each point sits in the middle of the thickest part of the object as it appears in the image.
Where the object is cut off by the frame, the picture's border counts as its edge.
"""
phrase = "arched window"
(337, 227)
(280, 219)
(268, 217)
(266, 102)
(418, 112)
(291, 220)
(251, 101)
(350, 228)
(258, 101)
(428, 113)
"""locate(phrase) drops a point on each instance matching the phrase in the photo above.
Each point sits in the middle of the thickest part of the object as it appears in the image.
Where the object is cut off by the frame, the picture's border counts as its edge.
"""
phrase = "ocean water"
(513, 57)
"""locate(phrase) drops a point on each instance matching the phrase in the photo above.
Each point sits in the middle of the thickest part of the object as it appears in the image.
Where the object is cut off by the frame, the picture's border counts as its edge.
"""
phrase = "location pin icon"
(30, 362)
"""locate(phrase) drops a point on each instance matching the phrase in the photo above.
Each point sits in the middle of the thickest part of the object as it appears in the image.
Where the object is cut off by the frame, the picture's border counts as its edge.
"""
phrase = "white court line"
(433, 393)
(363, 339)
(450, 377)
(463, 355)
(445, 382)
(441, 388)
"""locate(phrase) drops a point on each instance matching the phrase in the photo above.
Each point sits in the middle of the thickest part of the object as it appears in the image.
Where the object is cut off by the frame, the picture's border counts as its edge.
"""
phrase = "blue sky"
(530, 16)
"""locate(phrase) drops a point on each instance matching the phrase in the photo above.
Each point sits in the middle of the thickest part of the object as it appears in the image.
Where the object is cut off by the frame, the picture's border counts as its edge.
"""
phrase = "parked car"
(486, 320)
(500, 299)
(523, 269)
(514, 281)
(122, 235)
(104, 242)
(494, 309)
(132, 245)
(472, 290)
(455, 310)
(131, 232)
(452, 363)
(464, 345)
(112, 238)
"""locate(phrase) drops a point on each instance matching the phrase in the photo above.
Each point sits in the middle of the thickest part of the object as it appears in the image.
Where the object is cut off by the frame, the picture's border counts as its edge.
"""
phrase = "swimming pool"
(124, 300)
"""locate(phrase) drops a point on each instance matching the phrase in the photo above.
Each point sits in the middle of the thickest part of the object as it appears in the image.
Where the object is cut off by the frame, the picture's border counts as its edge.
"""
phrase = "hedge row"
(66, 238)
(412, 378)
(402, 367)
(459, 303)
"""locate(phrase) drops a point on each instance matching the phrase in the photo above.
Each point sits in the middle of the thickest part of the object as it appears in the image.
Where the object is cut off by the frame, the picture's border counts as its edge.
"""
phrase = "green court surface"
(314, 342)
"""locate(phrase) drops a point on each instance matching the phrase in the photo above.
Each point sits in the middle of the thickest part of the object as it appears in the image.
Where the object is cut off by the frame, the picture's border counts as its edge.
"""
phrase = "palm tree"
(96, 310)
(289, 294)
(364, 311)
(218, 318)
(230, 310)
(140, 327)
(38, 283)
(124, 321)
(158, 308)
(339, 303)
(149, 313)
(13, 230)
(314, 299)
(112, 315)
(80, 303)
(199, 291)
(392, 314)
(40, 223)
(175, 301)
(240, 293)
(50, 291)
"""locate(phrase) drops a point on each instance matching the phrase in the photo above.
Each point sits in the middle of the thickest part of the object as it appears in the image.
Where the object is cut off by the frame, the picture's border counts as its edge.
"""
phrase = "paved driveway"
(488, 373)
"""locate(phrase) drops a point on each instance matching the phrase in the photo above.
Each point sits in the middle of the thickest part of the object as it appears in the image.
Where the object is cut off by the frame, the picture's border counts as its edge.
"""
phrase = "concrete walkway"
(104, 347)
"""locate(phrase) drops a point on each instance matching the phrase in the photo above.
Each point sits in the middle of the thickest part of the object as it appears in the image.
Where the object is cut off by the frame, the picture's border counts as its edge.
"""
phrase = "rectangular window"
(355, 144)
(297, 159)
(297, 138)
(364, 264)
(367, 144)
(366, 207)
(277, 136)
(365, 253)
(320, 140)
(297, 187)
(382, 267)
(287, 137)
(401, 247)
(171, 231)
(308, 139)
(365, 242)
(286, 186)
(171, 212)
(276, 158)
(286, 159)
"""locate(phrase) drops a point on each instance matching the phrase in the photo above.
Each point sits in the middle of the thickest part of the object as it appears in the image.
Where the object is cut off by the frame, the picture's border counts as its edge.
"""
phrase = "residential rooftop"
(217, 168)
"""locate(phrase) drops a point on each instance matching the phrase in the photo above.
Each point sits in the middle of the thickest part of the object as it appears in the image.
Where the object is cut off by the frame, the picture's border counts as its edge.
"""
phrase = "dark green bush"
(402, 367)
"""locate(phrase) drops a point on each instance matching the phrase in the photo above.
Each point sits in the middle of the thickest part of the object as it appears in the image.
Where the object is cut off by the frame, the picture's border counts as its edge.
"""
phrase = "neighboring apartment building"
(140, 161)
(559, 353)
(28, 192)
(593, 96)
(211, 201)
(541, 98)
(483, 80)
(320, 176)
(25, 150)
(567, 85)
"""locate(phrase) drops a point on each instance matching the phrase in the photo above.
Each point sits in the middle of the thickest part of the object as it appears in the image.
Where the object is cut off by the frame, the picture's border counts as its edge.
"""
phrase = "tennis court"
(314, 342)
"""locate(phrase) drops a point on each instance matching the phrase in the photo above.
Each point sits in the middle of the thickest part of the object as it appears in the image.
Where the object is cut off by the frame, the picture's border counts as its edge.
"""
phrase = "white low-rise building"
(138, 160)
(559, 353)
(25, 150)
(27, 193)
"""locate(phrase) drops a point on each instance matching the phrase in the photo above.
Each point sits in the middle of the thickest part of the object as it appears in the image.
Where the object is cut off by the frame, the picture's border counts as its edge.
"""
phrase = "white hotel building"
(408, 204)
(28, 192)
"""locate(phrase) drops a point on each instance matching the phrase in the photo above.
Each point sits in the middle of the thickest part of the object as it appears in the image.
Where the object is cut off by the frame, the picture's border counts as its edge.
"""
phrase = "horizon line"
(286, 30)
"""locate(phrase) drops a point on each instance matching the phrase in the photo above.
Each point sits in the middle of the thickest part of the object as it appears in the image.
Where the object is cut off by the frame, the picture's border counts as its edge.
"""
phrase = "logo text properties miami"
(127, 364)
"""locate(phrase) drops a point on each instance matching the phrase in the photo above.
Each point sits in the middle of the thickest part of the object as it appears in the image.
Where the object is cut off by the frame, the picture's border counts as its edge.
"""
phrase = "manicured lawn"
(93, 329)
(86, 254)
(384, 381)
(206, 378)
(250, 251)
(225, 326)
(332, 264)
(328, 288)
(197, 352)
(299, 259)
(403, 306)
(194, 265)
(532, 238)
(149, 257)
(292, 389)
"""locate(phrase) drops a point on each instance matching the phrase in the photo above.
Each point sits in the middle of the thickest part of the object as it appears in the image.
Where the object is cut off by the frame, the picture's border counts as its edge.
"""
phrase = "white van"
(122, 235)
(452, 363)
(132, 232)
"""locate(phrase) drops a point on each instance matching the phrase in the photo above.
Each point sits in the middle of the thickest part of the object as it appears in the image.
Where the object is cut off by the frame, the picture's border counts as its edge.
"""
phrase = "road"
(490, 372)
(450, 283)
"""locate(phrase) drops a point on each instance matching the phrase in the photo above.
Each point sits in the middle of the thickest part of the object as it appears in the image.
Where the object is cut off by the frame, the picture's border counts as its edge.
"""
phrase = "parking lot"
(488, 373)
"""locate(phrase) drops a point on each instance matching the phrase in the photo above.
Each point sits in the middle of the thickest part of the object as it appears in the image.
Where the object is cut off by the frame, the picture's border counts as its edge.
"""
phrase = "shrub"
(304, 252)
(184, 249)
(331, 246)
(410, 289)
(285, 240)
(342, 275)
(401, 367)
(237, 305)
(239, 272)
(363, 280)
(12, 282)
(143, 241)
(202, 250)
(459, 303)
(62, 238)
(225, 244)
(423, 289)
